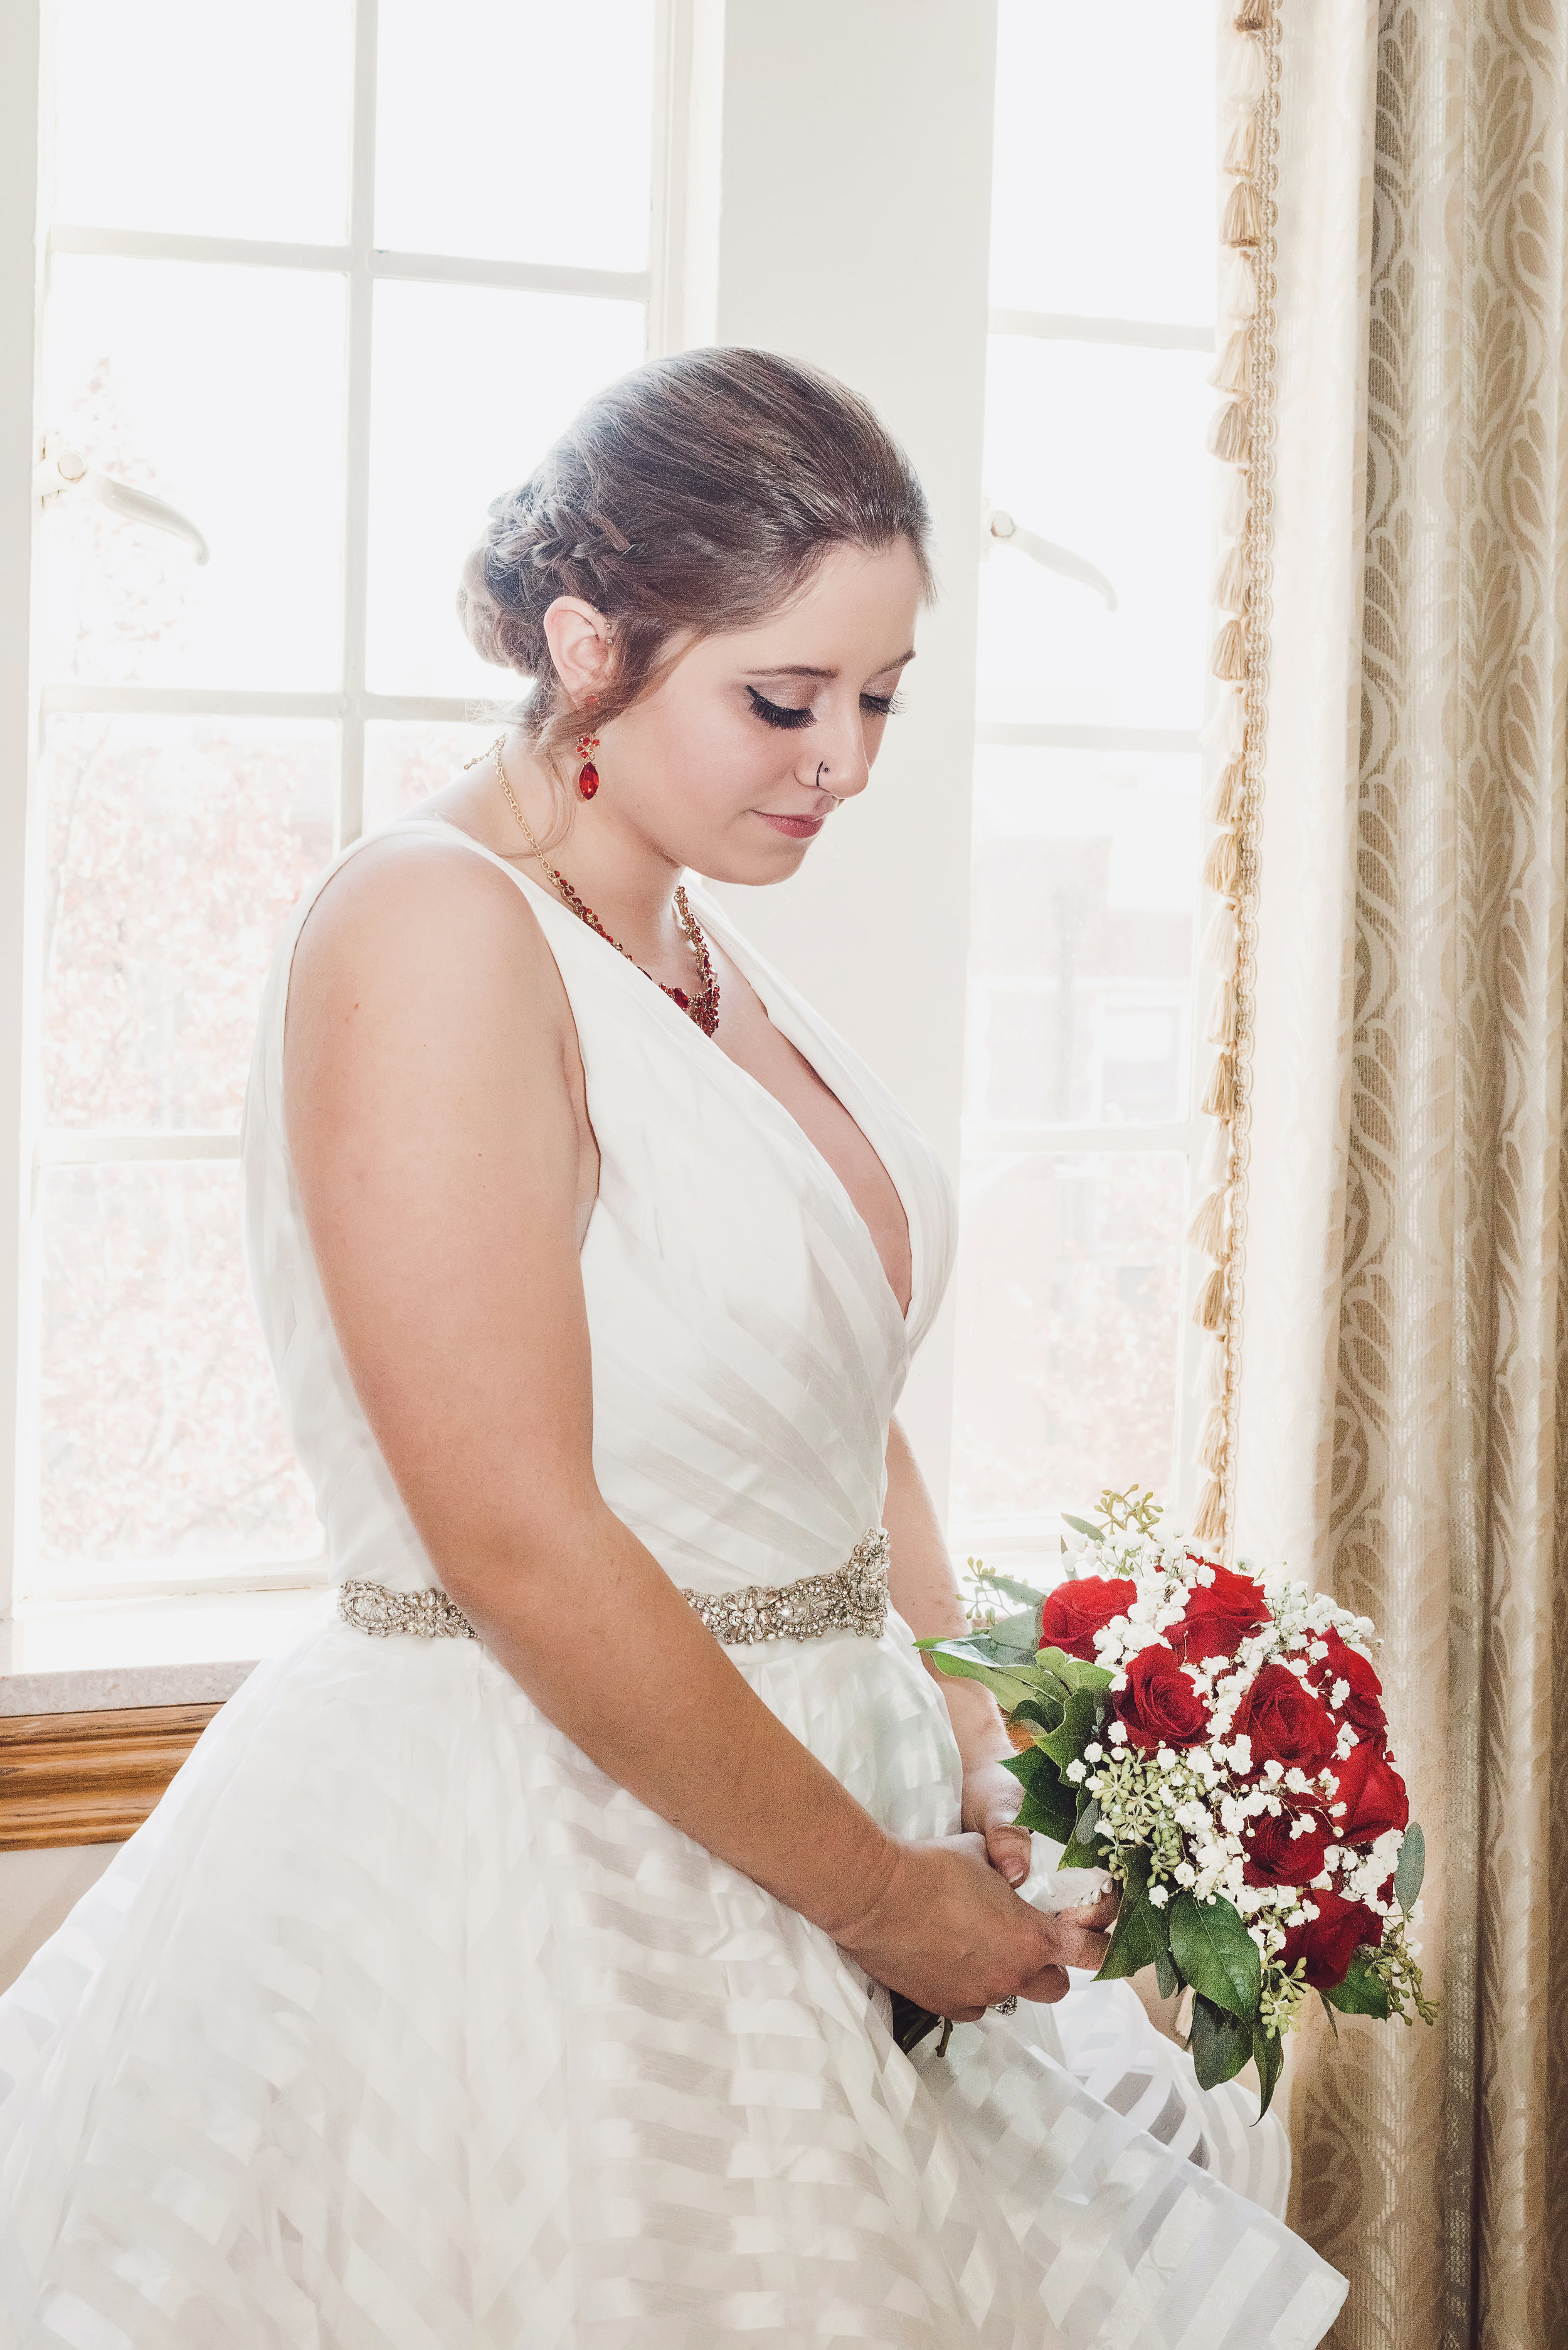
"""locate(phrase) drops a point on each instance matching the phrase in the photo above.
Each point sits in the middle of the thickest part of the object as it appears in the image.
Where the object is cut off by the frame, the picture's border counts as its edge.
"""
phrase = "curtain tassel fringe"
(1242, 222)
(1233, 371)
(1220, 1099)
(1208, 1525)
(1240, 156)
(1230, 434)
(1210, 1311)
(1228, 658)
(1221, 1028)
(1231, 581)
(1222, 866)
(1206, 1231)
(1223, 805)
(1213, 1443)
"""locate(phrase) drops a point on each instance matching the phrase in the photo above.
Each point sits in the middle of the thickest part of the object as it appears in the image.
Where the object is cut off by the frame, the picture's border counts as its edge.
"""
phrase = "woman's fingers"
(1045, 1988)
(1007, 1848)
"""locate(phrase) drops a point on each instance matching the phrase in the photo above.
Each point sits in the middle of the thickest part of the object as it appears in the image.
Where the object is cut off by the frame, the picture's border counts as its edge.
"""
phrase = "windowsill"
(92, 1656)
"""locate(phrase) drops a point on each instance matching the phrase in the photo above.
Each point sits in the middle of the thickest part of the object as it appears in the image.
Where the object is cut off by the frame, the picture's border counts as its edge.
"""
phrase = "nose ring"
(822, 787)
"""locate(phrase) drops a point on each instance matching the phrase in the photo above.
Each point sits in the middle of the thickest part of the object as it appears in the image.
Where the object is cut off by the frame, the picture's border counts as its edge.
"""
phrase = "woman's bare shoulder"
(421, 908)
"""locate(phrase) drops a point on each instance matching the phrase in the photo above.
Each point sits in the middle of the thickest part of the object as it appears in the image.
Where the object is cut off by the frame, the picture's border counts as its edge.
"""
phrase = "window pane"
(206, 121)
(404, 764)
(1083, 885)
(1068, 1300)
(220, 391)
(160, 1439)
(175, 847)
(1104, 197)
(516, 130)
(1100, 449)
(470, 387)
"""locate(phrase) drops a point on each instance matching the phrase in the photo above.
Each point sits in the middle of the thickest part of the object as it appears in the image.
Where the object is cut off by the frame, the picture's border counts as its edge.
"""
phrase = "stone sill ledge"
(86, 1657)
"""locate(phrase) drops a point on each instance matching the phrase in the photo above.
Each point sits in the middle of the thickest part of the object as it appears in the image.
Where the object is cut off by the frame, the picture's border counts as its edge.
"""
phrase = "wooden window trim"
(90, 1778)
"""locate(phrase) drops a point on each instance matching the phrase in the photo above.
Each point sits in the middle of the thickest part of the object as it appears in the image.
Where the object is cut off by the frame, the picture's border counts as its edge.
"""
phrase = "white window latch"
(995, 524)
(63, 472)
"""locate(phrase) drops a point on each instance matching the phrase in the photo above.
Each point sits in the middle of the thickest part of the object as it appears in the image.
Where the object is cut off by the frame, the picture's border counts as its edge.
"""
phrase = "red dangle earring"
(587, 773)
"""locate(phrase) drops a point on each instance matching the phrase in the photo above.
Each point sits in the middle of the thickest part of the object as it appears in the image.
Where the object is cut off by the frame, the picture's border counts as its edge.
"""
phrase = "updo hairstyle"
(697, 492)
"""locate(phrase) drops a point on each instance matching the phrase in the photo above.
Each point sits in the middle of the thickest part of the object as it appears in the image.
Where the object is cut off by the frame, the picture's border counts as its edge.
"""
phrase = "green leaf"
(1165, 1974)
(1006, 1684)
(1216, 1954)
(1050, 1806)
(1020, 1632)
(1076, 1728)
(1082, 1526)
(1039, 1712)
(1024, 1593)
(1083, 1847)
(1268, 2056)
(1140, 1933)
(1220, 2043)
(1362, 1992)
(1071, 1671)
(1410, 1868)
(1332, 2019)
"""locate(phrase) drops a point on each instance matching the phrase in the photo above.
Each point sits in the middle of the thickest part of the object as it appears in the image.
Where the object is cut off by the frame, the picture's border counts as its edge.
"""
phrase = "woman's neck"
(613, 867)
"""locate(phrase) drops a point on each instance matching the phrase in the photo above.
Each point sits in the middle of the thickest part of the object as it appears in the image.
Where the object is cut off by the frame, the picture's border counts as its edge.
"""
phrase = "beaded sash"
(853, 1598)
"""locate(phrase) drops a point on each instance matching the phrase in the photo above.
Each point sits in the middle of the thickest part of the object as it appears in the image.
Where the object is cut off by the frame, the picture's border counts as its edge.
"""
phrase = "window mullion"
(356, 455)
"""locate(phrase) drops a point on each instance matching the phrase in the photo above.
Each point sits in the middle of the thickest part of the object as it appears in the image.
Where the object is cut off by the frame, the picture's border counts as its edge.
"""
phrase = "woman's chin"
(753, 864)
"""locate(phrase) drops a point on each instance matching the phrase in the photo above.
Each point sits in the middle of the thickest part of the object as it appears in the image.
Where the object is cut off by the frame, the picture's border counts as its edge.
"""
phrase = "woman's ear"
(578, 639)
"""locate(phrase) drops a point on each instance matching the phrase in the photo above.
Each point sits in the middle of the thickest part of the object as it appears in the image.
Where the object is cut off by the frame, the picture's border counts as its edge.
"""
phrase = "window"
(323, 326)
(1079, 1124)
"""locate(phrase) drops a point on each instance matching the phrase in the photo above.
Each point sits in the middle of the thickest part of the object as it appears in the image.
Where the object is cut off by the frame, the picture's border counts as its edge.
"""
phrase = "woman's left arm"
(925, 1592)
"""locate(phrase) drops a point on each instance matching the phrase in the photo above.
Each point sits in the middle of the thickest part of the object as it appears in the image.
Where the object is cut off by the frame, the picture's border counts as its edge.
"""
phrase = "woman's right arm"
(428, 1087)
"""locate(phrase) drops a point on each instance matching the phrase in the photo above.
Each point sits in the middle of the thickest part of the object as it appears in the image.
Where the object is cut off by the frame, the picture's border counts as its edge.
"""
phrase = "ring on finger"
(1007, 2006)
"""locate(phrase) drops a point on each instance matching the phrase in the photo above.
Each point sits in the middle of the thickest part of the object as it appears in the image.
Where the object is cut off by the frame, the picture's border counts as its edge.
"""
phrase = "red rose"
(1218, 1616)
(1330, 1941)
(1159, 1705)
(1284, 1721)
(1275, 1856)
(1373, 1795)
(1075, 1611)
(1363, 1705)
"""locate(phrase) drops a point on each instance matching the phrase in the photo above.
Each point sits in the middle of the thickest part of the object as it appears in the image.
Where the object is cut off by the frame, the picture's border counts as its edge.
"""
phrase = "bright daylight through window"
(1079, 1120)
(326, 355)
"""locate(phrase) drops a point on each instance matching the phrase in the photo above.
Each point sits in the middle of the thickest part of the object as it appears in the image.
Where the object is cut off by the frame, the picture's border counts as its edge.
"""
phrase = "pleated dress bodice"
(747, 1349)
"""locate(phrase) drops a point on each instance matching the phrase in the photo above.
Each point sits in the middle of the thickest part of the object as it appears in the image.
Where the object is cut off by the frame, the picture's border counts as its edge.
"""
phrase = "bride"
(510, 1964)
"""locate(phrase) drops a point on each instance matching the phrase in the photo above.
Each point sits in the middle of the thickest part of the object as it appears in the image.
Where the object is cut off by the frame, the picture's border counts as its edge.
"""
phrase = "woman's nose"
(837, 760)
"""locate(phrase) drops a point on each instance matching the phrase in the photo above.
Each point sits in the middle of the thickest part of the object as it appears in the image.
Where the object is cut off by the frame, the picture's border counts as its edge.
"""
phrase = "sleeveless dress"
(399, 2023)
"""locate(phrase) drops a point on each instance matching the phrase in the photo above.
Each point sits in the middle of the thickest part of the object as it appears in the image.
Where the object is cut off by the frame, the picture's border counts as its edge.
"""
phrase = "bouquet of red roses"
(1217, 1742)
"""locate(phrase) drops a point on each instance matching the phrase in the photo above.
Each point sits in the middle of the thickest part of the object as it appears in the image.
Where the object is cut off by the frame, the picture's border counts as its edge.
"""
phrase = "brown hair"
(697, 492)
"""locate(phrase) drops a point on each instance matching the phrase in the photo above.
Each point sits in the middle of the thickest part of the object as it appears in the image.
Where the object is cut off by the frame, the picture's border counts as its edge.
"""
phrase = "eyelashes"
(777, 713)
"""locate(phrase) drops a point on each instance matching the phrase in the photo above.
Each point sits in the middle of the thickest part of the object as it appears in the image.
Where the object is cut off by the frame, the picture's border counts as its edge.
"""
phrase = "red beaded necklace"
(703, 1006)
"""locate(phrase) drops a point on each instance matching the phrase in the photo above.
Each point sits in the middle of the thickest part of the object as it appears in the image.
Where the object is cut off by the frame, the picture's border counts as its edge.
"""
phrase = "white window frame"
(26, 702)
(1013, 1143)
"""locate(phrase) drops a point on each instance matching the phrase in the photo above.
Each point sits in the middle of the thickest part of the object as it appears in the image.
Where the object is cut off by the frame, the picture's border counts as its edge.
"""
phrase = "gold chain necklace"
(703, 1006)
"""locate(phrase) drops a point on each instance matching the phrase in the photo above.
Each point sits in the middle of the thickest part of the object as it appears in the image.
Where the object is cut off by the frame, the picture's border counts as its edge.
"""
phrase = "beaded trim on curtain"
(1240, 436)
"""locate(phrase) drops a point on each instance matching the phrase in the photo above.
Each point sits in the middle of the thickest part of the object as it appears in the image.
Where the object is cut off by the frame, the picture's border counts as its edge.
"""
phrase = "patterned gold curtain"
(1403, 1425)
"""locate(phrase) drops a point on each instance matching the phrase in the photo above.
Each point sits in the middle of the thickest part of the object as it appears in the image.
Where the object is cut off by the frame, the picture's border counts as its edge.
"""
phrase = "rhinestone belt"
(853, 1598)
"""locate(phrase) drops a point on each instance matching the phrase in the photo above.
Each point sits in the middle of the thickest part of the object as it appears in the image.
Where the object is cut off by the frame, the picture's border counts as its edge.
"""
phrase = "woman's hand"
(944, 1929)
(991, 1797)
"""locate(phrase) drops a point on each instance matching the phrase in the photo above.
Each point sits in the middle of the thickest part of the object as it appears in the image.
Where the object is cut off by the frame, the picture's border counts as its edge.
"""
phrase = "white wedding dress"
(400, 2026)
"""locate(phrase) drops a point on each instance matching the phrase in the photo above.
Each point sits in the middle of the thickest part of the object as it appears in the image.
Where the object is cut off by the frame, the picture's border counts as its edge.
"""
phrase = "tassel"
(1242, 222)
(1221, 1028)
(1206, 1233)
(1230, 434)
(1214, 1442)
(1246, 76)
(1210, 1311)
(1238, 289)
(1229, 658)
(1235, 504)
(1208, 1525)
(1211, 1377)
(1232, 580)
(1240, 156)
(1219, 1101)
(1222, 866)
(1226, 730)
(1253, 17)
(1223, 805)
(1218, 952)
(1233, 371)
(1214, 1167)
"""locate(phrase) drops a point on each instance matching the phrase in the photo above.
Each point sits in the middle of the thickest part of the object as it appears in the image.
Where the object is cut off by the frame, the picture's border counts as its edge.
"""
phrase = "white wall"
(852, 163)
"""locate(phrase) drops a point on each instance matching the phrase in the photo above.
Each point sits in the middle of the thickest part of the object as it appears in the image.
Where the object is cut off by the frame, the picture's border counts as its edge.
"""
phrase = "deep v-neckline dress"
(400, 2024)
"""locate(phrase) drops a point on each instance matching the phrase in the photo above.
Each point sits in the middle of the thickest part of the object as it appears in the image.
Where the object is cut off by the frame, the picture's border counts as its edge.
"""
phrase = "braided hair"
(700, 493)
